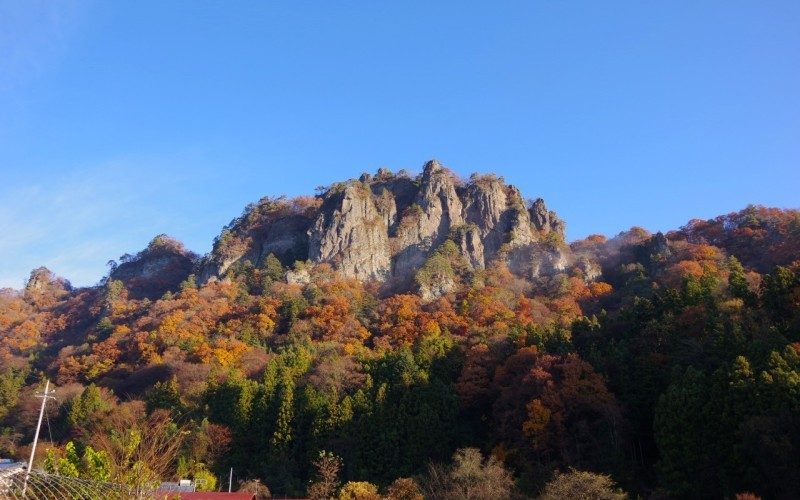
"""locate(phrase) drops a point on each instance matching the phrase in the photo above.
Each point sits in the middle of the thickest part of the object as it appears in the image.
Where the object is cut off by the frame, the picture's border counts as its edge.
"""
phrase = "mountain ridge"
(384, 227)
(498, 335)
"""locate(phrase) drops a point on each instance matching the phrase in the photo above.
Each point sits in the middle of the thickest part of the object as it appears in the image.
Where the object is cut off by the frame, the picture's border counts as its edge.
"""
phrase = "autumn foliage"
(657, 362)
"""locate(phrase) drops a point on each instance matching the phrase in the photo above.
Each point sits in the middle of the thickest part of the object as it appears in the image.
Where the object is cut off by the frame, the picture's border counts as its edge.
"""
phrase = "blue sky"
(122, 120)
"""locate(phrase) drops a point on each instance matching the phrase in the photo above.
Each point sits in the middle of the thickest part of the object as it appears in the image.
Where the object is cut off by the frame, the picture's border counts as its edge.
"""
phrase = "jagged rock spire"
(385, 226)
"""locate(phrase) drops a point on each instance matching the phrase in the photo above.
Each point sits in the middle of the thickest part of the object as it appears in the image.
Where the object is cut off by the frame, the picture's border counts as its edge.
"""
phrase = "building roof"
(176, 486)
(7, 463)
(210, 495)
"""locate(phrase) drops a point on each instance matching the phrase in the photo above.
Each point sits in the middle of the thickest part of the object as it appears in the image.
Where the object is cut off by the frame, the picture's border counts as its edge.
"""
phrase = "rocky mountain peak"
(159, 268)
(386, 226)
(43, 279)
(431, 166)
(440, 204)
(545, 220)
(44, 287)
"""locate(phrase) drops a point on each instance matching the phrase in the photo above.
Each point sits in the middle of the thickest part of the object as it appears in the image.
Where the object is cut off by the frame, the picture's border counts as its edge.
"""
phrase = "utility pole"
(44, 397)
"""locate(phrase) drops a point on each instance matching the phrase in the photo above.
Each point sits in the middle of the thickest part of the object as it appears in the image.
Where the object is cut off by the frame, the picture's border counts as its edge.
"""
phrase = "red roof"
(211, 495)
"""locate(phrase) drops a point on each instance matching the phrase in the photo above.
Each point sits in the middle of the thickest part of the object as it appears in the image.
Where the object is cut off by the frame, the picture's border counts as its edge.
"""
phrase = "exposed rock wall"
(427, 222)
(385, 226)
(352, 233)
(159, 268)
(271, 226)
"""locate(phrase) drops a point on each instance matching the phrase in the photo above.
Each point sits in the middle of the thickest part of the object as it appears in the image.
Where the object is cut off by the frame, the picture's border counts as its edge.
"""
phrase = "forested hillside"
(388, 322)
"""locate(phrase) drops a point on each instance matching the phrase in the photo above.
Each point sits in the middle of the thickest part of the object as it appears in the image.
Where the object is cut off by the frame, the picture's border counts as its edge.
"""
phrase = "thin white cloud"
(76, 222)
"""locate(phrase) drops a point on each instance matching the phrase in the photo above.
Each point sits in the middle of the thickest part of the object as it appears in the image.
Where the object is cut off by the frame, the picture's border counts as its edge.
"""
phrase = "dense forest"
(669, 369)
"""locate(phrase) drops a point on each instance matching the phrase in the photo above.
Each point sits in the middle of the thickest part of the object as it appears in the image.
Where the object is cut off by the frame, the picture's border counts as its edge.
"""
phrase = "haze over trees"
(396, 337)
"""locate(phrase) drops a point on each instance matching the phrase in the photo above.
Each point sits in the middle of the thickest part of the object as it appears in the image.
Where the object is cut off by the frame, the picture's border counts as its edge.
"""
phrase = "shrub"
(582, 484)
(404, 488)
(359, 490)
(256, 487)
(470, 476)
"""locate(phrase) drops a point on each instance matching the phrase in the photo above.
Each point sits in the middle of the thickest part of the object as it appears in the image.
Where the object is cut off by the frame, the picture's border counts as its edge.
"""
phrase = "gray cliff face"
(485, 208)
(271, 226)
(520, 231)
(429, 293)
(352, 233)
(468, 239)
(441, 206)
(385, 226)
(590, 268)
(427, 222)
(545, 220)
(499, 214)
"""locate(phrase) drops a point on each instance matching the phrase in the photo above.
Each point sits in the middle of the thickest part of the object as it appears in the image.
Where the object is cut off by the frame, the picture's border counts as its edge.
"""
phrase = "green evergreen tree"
(737, 282)
(86, 406)
(273, 269)
(681, 433)
(11, 381)
(166, 395)
(282, 437)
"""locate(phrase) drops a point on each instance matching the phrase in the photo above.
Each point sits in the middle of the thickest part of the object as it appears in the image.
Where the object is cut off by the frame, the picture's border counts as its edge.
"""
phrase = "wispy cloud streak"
(75, 223)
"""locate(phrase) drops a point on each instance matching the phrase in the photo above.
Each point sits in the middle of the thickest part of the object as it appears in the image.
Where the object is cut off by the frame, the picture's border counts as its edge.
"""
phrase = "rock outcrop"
(385, 227)
(427, 222)
(352, 233)
(44, 287)
(272, 226)
(545, 220)
(43, 280)
(498, 213)
(157, 269)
